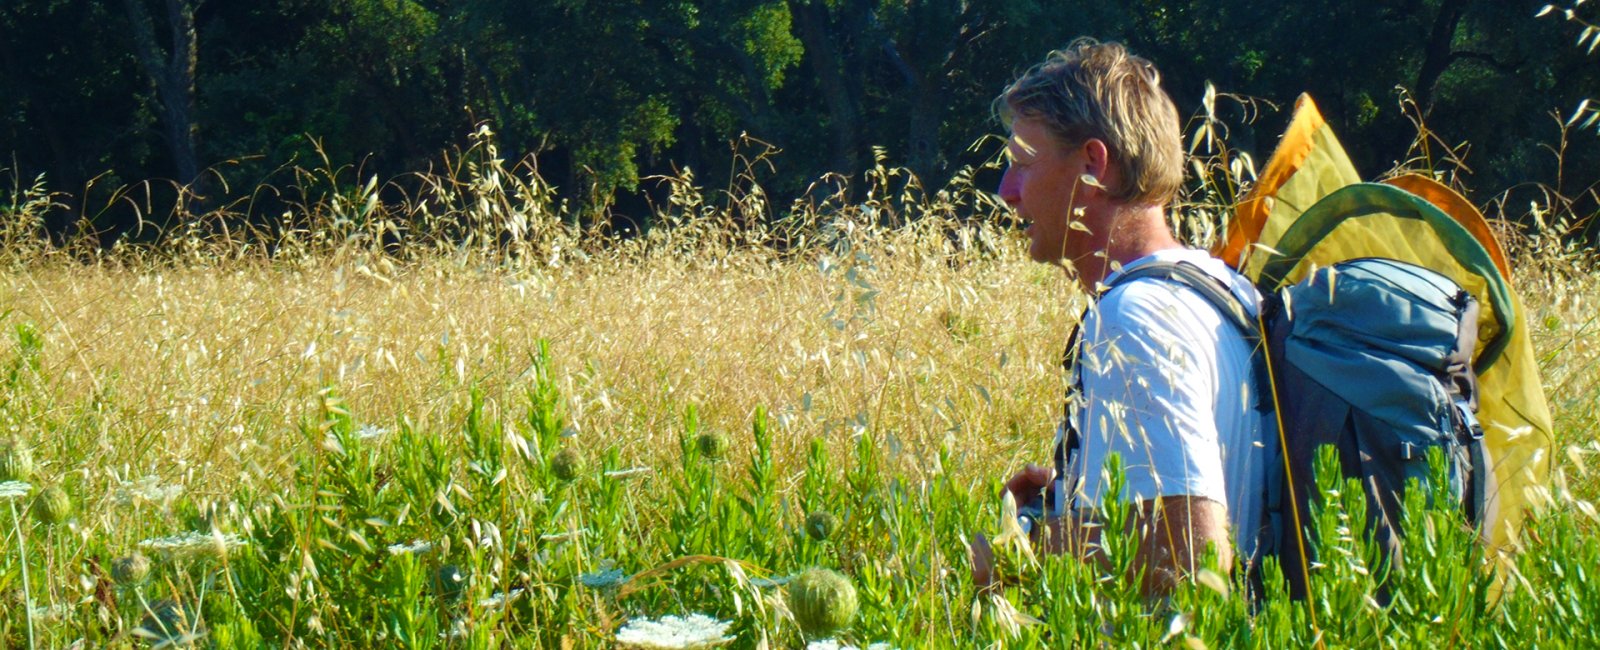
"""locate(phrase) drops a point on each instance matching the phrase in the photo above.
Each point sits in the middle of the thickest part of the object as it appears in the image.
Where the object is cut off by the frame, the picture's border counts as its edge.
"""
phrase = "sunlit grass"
(474, 424)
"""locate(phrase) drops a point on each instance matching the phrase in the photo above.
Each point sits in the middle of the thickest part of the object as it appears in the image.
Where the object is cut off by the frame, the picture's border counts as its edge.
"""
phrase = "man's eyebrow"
(1023, 145)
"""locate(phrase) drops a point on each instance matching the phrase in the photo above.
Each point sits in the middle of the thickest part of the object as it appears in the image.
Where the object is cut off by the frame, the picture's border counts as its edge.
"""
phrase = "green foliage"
(444, 538)
(602, 96)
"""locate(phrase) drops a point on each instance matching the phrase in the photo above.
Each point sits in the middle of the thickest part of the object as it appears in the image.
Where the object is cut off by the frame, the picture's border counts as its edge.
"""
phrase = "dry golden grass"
(200, 375)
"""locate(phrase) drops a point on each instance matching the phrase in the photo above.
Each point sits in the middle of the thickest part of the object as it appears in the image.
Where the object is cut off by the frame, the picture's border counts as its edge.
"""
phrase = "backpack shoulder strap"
(1210, 288)
(1232, 310)
(1186, 274)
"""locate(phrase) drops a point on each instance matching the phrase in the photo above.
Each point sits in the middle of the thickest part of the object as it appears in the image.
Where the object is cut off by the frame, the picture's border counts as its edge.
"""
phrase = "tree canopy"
(604, 92)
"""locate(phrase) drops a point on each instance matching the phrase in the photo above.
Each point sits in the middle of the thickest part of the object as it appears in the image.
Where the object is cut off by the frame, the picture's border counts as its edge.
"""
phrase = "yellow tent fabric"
(1308, 166)
(1459, 209)
(1282, 192)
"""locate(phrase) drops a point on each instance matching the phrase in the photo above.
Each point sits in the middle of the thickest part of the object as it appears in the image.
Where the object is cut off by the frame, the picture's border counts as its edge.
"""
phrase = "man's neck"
(1134, 233)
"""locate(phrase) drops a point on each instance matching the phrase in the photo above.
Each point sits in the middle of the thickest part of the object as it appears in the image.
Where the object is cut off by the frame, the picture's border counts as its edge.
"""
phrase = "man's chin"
(1042, 254)
(1048, 260)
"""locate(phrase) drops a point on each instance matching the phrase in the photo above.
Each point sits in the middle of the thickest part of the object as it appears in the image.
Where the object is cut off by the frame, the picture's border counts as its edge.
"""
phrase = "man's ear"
(1096, 160)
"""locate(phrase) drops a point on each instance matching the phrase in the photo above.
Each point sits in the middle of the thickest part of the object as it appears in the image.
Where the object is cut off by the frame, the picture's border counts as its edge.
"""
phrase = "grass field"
(527, 440)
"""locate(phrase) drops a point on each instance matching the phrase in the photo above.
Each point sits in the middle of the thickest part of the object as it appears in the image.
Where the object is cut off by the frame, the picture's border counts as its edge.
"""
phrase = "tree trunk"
(173, 70)
(927, 109)
(843, 118)
(923, 113)
(1440, 51)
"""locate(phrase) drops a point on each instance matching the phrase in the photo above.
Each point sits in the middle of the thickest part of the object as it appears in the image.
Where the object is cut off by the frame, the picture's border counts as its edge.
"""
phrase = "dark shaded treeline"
(97, 94)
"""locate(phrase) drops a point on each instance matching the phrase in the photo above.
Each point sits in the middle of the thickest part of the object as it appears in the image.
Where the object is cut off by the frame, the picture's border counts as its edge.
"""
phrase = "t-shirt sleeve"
(1149, 396)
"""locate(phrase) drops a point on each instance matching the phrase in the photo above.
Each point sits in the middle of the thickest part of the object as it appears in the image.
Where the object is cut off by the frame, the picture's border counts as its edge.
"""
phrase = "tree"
(172, 67)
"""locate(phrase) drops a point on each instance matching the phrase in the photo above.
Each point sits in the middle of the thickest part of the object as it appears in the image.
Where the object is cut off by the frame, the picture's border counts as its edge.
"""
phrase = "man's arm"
(1173, 533)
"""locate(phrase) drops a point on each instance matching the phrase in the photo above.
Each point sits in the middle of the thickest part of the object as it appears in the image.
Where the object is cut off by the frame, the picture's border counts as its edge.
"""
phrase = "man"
(1161, 380)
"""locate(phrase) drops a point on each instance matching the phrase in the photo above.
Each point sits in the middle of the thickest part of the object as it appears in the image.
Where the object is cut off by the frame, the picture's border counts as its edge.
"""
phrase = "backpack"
(1373, 357)
(1309, 210)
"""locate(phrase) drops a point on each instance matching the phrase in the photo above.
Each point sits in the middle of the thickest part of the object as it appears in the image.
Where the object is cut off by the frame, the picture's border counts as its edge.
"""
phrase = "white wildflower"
(500, 599)
(52, 613)
(675, 633)
(14, 490)
(416, 547)
(833, 644)
(193, 543)
(628, 472)
(371, 432)
(146, 490)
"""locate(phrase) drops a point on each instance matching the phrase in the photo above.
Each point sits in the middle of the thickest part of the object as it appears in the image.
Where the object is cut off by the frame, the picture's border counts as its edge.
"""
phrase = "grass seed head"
(567, 465)
(52, 506)
(820, 525)
(130, 570)
(823, 602)
(712, 445)
(16, 461)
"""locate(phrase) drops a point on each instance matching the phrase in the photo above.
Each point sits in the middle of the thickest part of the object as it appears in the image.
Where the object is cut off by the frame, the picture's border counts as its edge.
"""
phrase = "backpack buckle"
(1468, 429)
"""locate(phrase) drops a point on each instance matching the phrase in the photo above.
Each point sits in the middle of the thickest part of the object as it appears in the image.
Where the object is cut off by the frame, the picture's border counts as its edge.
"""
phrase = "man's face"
(1039, 185)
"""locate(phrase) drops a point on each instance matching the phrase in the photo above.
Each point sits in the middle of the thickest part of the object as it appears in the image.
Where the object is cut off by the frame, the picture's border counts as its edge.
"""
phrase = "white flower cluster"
(500, 599)
(146, 490)
(193, 543)
(52, 613)
(371, 432)
(832, 644)
(14, 490)
(627, 472)
(675, 633)
(416, 547)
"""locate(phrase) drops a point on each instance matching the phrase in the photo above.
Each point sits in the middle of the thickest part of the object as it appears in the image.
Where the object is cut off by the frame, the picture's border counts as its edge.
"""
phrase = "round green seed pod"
(449, 582)
(52, 506)
(712, 445)
(567, 465)
(821, 524)
(130, 570)
(823, 602)
(16, 461)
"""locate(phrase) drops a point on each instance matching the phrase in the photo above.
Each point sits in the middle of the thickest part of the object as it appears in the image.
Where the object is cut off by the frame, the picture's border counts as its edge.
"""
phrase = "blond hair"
(1101, 91)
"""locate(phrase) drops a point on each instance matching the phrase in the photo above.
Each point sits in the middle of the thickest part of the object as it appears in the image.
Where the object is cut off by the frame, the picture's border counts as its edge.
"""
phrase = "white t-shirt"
(1167, 386)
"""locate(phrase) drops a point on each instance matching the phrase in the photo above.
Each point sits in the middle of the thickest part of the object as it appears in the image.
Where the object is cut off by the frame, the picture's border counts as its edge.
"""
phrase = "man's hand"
(1027, 484)
(982, 556)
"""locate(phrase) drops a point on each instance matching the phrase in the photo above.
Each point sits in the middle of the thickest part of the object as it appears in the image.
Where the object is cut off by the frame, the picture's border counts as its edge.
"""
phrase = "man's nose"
(1010, 188)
